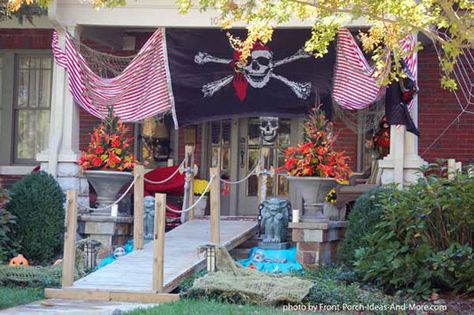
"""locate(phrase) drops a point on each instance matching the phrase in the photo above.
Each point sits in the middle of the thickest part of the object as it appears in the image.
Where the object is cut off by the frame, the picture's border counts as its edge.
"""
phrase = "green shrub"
(362, 219)
(424, 239)
(7, 245)
(334, 285)
(37, 202)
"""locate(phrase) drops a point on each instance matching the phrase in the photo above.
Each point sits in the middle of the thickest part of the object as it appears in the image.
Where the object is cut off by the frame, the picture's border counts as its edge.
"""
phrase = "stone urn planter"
(107, 185)
(313, 190)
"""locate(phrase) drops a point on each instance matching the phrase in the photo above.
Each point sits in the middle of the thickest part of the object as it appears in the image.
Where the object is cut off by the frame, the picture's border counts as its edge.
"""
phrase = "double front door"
(235, 145)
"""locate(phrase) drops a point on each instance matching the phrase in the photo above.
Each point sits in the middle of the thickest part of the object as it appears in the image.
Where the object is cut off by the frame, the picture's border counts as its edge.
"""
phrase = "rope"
(116, 202)
(166, 179)
(196, 202)
(240, 180)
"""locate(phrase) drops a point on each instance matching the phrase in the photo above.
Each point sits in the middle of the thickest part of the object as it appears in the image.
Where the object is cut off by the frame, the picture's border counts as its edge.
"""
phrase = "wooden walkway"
(133, 273)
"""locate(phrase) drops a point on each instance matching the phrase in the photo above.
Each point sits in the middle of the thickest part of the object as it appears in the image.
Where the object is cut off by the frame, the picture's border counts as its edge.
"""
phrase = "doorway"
(239, 142)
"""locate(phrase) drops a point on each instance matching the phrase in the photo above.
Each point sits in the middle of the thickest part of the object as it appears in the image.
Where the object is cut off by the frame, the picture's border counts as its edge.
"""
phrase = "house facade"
(41, 125)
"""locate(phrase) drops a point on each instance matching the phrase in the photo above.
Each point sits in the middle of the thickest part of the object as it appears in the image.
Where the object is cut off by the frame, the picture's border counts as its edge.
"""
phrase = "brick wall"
(6, 181)
(436, 110)
(197, 148)
(25, 38)
(346, 141)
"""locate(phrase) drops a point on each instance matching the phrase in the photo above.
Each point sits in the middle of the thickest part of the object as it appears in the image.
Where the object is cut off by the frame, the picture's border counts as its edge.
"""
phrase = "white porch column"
(402, 164)
(60, 159)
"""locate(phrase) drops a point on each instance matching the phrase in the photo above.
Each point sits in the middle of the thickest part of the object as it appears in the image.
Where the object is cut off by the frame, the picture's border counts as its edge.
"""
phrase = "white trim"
(39, 22)
(15, 170)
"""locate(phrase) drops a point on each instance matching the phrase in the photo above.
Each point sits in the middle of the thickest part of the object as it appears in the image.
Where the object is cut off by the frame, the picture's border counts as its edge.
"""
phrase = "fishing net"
(104, 64)
(30, 276)
(40, 276)
(361, 121)
(233, 282)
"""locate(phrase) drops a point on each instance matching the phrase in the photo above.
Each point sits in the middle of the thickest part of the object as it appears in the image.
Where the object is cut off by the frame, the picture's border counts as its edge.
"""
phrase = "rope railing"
(115, 202)
(240, 180)
(158, 182)
(195, 203)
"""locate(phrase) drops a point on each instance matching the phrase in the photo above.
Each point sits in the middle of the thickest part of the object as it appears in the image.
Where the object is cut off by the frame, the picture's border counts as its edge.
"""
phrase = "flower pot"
(313, 190)
(200, 208)
(107, 185)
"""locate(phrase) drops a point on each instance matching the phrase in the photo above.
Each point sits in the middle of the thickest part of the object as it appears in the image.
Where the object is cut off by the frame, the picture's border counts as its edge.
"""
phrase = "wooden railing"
(159, 227)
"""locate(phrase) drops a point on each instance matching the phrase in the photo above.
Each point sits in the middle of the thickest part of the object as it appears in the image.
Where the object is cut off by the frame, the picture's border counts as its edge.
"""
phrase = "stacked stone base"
(316, 243)
(109, 231)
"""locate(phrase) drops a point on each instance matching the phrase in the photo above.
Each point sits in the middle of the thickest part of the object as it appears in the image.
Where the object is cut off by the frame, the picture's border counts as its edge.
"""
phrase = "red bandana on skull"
(240, 82)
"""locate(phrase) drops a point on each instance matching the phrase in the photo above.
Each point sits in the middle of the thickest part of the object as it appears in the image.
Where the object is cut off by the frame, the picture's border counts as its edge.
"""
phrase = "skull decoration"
(268, 129)
(119, 252)
(259, 70)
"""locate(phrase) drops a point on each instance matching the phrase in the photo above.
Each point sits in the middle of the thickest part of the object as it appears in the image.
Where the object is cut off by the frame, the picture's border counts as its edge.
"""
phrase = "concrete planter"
(107, 185)
(313, 190)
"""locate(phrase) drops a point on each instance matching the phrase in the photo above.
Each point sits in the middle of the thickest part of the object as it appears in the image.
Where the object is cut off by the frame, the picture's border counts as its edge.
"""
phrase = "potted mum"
(314, 166)
(108, 161)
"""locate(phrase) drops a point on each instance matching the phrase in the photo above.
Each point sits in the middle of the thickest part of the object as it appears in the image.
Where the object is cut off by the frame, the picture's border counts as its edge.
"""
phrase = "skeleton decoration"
(149, 217)
(119, 252)
(268, 130)
(257, 73)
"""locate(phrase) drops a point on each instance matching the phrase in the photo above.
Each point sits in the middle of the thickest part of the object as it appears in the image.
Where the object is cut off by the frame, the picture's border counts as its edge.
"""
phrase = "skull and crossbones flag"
(280, 79)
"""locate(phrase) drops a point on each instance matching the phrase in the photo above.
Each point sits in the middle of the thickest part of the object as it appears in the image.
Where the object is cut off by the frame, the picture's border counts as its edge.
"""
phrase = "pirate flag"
(280, 78)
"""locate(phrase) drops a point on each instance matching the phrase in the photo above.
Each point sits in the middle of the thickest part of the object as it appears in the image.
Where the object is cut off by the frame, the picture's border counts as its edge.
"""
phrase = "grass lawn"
(12, 296)
(198, 307)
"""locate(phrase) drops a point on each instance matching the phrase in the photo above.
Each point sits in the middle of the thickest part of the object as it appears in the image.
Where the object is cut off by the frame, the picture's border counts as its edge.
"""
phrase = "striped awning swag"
(355, 85)
(142, 90)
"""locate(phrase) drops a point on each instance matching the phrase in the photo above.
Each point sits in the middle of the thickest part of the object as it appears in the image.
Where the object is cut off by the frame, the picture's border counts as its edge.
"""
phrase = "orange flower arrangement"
(316, 155)
(109, 147)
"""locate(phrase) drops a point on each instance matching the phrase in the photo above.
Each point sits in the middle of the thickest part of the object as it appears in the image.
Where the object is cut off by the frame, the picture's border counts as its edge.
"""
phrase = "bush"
(7, 245)
(335, 286)
(424, 239)
(362, 219)
(37, 202)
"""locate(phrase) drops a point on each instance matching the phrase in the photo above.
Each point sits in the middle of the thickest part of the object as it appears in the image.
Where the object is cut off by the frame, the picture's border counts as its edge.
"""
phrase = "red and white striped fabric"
(355, 85)
(142, 90)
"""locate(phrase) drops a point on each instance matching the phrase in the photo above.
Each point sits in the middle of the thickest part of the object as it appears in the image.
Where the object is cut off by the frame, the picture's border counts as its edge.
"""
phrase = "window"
(220, 132)
(32, 102)
(1, 76)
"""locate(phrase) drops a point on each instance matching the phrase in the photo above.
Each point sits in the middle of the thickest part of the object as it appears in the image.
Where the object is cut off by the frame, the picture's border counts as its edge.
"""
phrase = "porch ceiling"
(139, 13)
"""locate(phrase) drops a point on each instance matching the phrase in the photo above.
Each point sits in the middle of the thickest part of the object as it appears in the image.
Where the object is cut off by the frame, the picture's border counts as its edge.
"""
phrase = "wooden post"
(159, 243)
(189, 162)
(69, 257)
(215, 205)
(138, 192)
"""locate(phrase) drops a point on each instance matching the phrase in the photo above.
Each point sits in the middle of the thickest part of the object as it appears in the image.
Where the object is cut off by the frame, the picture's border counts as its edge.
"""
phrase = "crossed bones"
(256, 74)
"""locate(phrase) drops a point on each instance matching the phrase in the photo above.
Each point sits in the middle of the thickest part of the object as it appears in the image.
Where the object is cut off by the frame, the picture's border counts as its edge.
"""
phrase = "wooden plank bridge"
(131, 275)
(150, 273)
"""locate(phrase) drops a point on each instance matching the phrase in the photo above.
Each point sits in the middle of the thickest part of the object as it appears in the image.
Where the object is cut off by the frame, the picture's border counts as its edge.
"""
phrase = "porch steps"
(129, 277)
